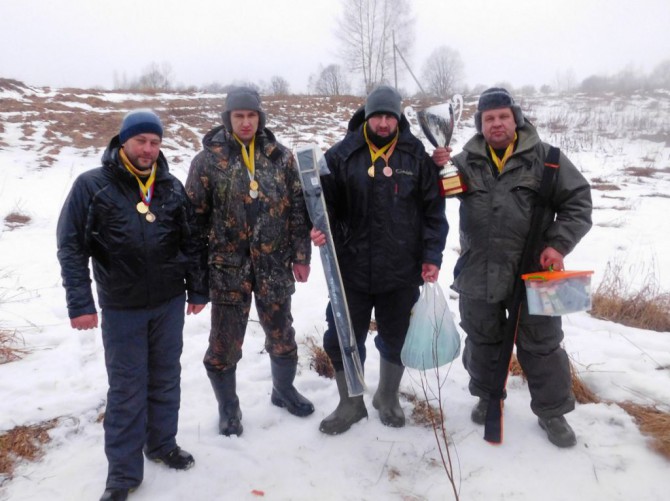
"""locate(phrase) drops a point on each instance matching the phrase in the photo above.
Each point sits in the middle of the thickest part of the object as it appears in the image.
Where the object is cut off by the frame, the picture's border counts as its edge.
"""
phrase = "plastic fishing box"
(555, 293)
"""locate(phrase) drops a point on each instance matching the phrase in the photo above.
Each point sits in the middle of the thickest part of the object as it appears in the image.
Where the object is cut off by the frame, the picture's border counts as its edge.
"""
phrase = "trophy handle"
(457, 105)
(412, 119)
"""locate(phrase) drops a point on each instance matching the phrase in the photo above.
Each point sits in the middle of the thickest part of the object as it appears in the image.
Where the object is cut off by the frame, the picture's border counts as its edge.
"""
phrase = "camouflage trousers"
(229, 325)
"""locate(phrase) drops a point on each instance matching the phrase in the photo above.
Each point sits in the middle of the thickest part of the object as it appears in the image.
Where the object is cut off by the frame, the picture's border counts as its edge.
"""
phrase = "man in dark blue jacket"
(389, 229)
(133, 219)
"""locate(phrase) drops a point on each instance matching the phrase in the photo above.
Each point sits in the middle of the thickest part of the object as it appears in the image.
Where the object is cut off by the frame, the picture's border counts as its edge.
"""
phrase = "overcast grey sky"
(83, 43)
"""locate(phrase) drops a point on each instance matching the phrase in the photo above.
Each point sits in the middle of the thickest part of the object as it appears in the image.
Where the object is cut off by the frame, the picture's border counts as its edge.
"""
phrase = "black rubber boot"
(284, 393)
(478, 414)
(386, 398)
(230, 415)
(350, 410)
(558, 431)
(112, 494)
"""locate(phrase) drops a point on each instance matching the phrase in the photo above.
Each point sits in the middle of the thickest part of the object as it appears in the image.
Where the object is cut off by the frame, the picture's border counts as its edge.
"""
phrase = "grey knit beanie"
(383, 99)
(140, 122)
(242, 98)
(493, 98)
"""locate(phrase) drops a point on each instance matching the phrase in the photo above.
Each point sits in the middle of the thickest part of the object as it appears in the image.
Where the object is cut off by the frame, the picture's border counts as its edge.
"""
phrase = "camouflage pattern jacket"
(253, 243)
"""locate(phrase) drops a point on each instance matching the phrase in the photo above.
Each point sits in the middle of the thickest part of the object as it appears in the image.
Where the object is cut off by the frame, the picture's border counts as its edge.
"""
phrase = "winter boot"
(558, 431)
(386, 398)
(284, 393)
(350, 410)
(230, 415)
(478, 414)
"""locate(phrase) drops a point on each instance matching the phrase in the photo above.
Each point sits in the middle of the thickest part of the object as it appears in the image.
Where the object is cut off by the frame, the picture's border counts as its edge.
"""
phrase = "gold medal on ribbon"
(388, 172)
(253, 193)
(150, 217)
(142, 208)
(253, 185)
(371, 171)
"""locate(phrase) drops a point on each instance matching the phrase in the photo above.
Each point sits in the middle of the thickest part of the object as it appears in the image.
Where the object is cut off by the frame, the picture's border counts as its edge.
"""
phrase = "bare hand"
(318, 237)
(429, 272)
(441, 155)
(84, 322)
(194, 308)
(550, 257)
(301, 272)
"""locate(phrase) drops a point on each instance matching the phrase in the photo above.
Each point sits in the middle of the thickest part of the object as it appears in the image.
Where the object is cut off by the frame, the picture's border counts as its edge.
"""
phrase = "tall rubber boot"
(284, 393)
(350, 410)
(386, 398)
(230, 415)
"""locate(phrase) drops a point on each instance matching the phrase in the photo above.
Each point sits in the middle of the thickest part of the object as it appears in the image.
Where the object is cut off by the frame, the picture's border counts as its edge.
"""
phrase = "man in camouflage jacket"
(246, 191)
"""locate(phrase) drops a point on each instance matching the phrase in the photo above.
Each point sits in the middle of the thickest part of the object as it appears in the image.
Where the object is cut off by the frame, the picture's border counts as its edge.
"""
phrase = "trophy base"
(451, 186)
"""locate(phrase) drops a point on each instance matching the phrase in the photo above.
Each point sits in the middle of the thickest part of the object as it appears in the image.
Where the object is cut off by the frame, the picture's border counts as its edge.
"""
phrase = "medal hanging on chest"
(384, 152)
(146, 188)
(249, 159)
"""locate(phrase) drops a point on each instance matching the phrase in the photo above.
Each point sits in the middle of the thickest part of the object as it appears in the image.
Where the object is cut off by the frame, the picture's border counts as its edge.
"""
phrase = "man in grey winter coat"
(502, 166)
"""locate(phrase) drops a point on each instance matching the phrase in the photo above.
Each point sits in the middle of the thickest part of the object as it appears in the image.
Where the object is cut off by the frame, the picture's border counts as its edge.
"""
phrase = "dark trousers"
(142, 351)
(229, 325)
(538, 347)
(392, 310)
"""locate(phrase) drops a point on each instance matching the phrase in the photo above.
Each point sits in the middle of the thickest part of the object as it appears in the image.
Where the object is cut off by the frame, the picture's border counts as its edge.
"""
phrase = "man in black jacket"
(389, 230)
(132, 217)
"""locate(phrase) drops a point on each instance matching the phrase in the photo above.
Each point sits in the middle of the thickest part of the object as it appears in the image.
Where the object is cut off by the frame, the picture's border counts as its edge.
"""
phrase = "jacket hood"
(110, 157)
(219, 136)
(359, 118)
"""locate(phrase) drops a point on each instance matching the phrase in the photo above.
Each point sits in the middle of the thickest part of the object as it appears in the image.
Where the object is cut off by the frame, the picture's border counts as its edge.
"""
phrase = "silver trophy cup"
(437, 124)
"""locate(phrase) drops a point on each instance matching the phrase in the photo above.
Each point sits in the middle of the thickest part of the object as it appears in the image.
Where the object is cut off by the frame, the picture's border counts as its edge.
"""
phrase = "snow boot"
(230, 415)
(558, 431)
(350, 410)
(284, 393)
(478, 414)
(386, 398)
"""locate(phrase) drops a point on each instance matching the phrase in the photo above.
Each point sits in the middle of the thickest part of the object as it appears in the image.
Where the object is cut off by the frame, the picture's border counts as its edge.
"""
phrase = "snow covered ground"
(282, 457)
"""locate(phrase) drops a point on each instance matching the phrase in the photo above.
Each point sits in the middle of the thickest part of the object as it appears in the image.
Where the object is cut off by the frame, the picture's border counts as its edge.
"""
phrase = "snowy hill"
(49, 136)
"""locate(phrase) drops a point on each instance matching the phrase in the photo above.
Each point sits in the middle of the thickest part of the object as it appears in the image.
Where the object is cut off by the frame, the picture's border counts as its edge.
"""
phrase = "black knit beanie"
(383, 99)
(243, 98)
(493, 98)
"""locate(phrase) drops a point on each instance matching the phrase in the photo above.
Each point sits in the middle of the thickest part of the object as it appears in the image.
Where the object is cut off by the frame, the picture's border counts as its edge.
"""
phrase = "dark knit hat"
(242, 98)
(383, 99)
(140, 122)
(493, 98)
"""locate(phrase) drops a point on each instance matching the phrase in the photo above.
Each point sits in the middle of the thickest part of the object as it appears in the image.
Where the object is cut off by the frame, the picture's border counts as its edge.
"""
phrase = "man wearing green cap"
(132, 218)
(502, 165)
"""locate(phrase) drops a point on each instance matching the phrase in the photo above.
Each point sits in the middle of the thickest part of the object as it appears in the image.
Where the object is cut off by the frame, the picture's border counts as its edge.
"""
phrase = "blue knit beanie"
(140, 122)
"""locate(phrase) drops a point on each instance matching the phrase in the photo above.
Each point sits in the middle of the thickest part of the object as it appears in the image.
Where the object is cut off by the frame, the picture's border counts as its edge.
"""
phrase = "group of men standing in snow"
(239, 228)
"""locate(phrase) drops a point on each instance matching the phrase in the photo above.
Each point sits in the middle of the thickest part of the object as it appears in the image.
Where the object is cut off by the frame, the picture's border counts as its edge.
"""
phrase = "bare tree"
(367, 30)
(660, 76)
(156, 77)
(443, 72)
(279, 86)
(331, 81)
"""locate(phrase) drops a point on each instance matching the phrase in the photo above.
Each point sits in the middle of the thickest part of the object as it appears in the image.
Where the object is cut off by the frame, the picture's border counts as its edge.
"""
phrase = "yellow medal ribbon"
(248, 157)
(146, 189)
(375, 152)
(500, 163)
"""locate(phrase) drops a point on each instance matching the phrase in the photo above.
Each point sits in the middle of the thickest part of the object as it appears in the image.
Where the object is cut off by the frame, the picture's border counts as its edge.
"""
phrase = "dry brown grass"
(423, 413)
(319, 360)
(640, 171)
(652, 422)
(644, 308)
(16, 219)
(9, 349)
(23, 443)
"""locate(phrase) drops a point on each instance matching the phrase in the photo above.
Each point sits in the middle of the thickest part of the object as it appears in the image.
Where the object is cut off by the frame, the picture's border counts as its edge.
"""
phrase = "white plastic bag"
(432, 338)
